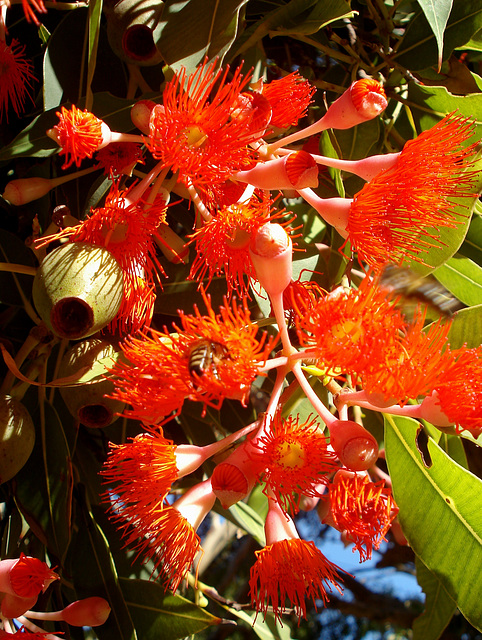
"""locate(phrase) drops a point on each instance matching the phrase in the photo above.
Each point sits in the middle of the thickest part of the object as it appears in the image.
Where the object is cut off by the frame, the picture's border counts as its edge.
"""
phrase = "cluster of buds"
(21, 582)
(212, 140)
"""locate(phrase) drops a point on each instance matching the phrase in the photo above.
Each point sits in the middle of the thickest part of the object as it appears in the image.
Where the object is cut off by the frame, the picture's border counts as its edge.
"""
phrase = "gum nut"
(17, 437)
(87, 402)
(78, 290)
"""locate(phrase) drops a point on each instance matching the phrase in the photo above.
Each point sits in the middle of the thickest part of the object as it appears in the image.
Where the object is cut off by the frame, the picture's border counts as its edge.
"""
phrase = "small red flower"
(290, 570)
(459, 390)
(79, 133)
(119, 157)
(29, 576)
(141, 473)
(289, 98)
(193, 132)
(295, 459)
(398, 213)
(16, 77)
(362, 508)
(222, 245)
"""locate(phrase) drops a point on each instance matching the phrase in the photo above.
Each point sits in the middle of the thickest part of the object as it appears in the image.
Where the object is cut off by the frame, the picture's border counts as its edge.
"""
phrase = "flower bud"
(271, 253)
(25, 577)
(17, 437)
(88, 403)
(363, 100)
(356, 448)
(13, 606)
(78, 290)
(24, 190)
(297, 170)
(431, 411)
(141, 114)
(89, 612)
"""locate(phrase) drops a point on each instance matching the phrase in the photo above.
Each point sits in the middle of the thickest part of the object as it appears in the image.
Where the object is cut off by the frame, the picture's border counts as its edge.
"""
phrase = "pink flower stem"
(201, 207)
(125, 137)
(279, 314)
(33, 627)
(358, 398)
(139, 189)
(318, 406)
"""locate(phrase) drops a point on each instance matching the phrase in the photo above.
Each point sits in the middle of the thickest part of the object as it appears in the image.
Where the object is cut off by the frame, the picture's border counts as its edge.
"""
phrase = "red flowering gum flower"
(459, 390)
(222, 245)
(141, 472)
(211, 358)
(397, 214)
(23, 634)
(295, 459)
(362, 508)
(351, 329)
(412, 364)
(119, 157)
(170, 538)
(25, 577)
(289, 98)
(16, 77)
(290, 570)
(193, 132)
(128, 230)
(79, 133)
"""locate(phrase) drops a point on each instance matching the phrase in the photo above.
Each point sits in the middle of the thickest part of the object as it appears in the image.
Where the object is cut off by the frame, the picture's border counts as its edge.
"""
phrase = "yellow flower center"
(291, 455)
(348, 328)
(195, 136)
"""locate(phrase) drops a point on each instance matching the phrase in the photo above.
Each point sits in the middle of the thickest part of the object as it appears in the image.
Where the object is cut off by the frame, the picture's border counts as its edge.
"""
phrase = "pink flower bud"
(24, 190)
(271, 253)
(233, 479)
(141, 114)
(363, 100)
(14, 606)
(356, 448)
(89, 612)
(297, 170)
(431, 411)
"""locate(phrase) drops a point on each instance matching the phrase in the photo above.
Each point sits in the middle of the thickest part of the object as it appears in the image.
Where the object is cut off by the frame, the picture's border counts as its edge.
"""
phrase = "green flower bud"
(17, 437)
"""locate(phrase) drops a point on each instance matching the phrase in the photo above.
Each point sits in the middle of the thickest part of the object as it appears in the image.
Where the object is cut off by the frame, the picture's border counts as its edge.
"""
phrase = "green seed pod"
(17, 437)
(78, 290)
(87, 402)
(130, 25)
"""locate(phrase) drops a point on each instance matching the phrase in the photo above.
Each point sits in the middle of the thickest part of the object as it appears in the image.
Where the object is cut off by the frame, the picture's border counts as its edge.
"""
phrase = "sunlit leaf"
(440, 513)
(463, 278)
(466, 328)
(437, 13)
(439, 606)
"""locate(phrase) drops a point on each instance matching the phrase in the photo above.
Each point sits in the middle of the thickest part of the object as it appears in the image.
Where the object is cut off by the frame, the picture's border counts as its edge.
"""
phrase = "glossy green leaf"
(440, 513)
(95, 13)
(191, 30)
(419, 50)
(439, 606)
(472, 246)
(249, 520)
(265, 629)
(437, 13)
(463, 278)
(466, 328)
(159, 615)
(475, 42)
(94, 573)
(44, 485)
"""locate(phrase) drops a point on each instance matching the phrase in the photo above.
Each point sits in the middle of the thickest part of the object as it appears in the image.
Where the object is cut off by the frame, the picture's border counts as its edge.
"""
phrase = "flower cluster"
(216, 139)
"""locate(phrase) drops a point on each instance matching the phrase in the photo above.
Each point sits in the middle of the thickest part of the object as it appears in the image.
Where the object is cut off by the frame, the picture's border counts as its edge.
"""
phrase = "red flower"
(364, 509)
(289, 98)
(29, 8)
(398, 213)
(193, 132)
(211, 358)
(29, 576)
(459, 390)
(16, 77)
(295, 459)
(79, 133)
(119, 157)
(222, 245)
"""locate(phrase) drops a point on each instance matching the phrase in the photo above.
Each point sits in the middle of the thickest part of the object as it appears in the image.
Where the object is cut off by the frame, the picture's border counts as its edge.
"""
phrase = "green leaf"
(463, 278)
(95, 13)
(191, 30)
(13, 250)
(94, 573)
(440, 513)
(472, 246)
(466, 328)
(437, 14)
(419, 50)
(439, 606)
(44, 485)
(157, 615)
(268, 629)
(249, 520)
